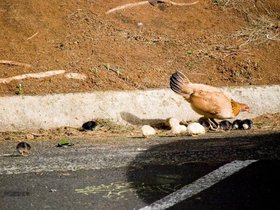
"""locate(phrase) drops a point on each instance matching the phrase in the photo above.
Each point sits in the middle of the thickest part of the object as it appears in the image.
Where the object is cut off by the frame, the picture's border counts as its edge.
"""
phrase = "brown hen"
(209, 101)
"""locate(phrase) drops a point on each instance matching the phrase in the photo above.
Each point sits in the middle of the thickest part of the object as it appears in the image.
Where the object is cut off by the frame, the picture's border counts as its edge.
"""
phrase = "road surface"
(216, 171)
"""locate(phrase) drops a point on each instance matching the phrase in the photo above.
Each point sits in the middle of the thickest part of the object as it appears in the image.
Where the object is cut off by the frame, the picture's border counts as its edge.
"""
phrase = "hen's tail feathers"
(179, 83)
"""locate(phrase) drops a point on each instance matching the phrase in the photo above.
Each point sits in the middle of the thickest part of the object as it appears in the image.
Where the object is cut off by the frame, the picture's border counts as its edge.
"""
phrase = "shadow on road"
(134, 120)
(163, 169)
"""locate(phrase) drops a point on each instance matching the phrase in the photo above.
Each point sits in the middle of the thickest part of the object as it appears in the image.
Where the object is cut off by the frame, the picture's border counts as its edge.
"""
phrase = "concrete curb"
(135, 107)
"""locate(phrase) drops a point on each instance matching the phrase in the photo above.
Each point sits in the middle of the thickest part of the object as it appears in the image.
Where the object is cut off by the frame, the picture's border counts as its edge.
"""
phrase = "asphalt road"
(134, 173)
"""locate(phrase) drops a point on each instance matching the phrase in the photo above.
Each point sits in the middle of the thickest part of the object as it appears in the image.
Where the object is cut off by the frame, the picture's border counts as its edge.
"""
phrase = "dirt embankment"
(216, 42)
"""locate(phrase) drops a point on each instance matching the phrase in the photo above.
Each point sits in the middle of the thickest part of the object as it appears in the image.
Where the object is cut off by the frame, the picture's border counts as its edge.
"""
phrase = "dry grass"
(109, 130)
(261, 30)
(262, 19)
(221, 3)
(268, 122)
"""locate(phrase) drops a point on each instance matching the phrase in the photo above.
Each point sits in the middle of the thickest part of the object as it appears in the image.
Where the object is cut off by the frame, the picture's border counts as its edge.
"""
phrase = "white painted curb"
(135, 107)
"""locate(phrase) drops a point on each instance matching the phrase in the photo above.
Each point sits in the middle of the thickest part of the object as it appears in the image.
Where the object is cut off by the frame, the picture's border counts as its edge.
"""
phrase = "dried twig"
(14, 63)
(32, 75)
(175, 3)
(127, 6)
(33, 35)
(130, 5)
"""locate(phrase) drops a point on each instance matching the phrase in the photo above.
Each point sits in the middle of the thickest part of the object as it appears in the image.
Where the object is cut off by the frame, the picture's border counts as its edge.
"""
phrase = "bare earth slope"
(216, 42)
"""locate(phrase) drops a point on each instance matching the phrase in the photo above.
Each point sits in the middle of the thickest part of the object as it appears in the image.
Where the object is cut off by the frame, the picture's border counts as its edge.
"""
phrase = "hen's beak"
(246, 109)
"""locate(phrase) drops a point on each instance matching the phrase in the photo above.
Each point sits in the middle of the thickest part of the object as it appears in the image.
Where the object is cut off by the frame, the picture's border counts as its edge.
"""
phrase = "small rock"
(29, 136)
(140, 24)
(76, 76)
(141, 149)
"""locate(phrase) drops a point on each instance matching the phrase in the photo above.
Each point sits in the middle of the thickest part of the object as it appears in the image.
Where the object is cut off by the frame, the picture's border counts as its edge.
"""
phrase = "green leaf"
(64, 142)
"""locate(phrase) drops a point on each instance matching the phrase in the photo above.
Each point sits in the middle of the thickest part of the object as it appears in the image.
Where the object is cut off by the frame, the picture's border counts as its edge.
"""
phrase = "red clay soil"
(217, 42)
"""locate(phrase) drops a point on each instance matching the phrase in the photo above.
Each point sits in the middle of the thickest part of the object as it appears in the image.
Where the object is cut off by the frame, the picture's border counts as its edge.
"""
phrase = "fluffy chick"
(178, 129)
(237, 124)
(147, 130)
(195, 129)
(204, 122)
(172, 122)
(247, 124)
(90, 125)
(225, 125)
(23, 148)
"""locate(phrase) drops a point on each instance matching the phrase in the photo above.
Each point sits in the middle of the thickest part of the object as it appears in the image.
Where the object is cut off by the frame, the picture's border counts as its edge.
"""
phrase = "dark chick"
(225, 125)
(247, 124)
(23, 148)
(90, 125)
(237, 124)
(204, 122)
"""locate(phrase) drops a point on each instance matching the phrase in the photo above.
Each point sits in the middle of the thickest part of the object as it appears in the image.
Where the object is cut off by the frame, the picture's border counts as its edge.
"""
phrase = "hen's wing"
(213, 104)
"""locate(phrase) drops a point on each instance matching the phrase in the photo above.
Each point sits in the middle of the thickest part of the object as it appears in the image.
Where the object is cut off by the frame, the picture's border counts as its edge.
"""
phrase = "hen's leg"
(207, 123)
(213, 124)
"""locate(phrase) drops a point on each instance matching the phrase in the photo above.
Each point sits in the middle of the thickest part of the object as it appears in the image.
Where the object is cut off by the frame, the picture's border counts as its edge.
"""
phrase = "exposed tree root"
(32, 75)
(153, 2)
(14, 63)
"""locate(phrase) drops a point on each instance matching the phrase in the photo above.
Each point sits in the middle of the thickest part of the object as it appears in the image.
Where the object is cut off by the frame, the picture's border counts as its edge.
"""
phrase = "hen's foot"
(214, 126)
(210, 124)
